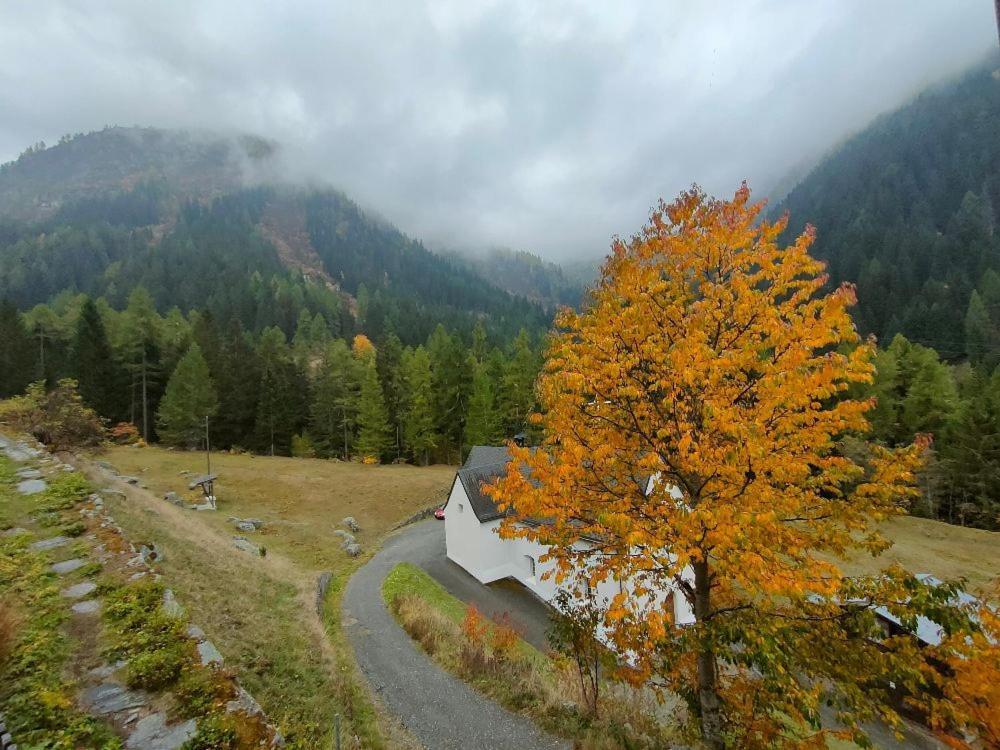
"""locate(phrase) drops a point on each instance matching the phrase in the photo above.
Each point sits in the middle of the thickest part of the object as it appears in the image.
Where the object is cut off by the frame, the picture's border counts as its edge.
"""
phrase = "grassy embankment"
(260, 611)
(499, 664)
(924, 546)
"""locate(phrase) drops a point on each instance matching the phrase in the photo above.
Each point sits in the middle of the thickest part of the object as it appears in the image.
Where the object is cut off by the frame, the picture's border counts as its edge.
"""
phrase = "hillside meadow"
(261, 611)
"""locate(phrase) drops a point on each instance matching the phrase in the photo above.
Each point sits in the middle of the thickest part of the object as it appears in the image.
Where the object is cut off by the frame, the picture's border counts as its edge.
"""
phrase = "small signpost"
(207, 484)
(207, 480)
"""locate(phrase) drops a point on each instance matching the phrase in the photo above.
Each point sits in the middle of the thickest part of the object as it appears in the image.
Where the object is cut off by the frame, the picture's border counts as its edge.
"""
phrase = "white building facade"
(471, 540)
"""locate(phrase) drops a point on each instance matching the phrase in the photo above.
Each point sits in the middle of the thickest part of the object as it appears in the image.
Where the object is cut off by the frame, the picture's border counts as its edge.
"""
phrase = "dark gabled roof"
(485, 464)
(485, 455)
(473, 478)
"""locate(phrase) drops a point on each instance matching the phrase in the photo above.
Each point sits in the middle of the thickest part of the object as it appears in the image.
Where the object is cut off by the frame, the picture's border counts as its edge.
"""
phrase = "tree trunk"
(145, 403)
(708, 694)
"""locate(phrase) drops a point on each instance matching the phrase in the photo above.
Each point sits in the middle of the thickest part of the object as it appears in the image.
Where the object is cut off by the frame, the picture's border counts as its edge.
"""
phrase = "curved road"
(438, 709)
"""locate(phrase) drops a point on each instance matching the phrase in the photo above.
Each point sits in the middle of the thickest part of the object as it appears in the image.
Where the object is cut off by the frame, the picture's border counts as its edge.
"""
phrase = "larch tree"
(418, 412)
(692, 418)
(481, 423)
(333, 411)
(373, 418)
(190, 398)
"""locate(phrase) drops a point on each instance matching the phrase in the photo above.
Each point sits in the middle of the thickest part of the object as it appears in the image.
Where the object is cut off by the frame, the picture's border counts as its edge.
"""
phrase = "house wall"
(478, 549)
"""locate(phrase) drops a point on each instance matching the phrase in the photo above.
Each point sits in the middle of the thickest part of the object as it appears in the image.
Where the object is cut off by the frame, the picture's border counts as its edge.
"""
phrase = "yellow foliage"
(712, 368)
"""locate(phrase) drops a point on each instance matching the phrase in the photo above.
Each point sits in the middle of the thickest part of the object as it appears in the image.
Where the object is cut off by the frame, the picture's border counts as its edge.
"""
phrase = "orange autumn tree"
(712, 364)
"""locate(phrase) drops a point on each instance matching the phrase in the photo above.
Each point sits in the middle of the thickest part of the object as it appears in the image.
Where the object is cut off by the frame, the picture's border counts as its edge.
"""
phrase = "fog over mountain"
(543, 126)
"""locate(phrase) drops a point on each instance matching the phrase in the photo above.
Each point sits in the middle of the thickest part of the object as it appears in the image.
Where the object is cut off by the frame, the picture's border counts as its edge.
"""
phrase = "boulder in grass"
(353, 550)
(351, 524)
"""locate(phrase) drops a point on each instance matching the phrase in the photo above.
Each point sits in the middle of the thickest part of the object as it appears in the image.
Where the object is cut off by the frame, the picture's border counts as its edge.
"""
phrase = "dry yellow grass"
(924, 546)
(260, 611)
(300, 500)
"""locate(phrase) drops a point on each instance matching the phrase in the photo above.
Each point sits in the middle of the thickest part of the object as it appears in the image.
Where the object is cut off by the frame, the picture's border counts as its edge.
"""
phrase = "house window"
(461, 507)
(531, 565)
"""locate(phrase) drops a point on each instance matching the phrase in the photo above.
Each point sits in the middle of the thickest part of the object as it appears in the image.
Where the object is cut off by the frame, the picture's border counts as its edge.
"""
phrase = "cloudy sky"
(544, 125)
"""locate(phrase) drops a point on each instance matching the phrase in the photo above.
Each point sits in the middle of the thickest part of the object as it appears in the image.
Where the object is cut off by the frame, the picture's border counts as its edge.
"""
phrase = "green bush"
(214, 733)
(155, 644)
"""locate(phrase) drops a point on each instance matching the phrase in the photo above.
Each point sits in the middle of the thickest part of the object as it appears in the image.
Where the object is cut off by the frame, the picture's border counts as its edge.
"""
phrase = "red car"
(439, 513)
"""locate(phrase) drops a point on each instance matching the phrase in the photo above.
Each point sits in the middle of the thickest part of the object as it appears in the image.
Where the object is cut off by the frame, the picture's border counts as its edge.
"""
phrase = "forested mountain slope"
(526, 275)
(199, 222)
(907, 209)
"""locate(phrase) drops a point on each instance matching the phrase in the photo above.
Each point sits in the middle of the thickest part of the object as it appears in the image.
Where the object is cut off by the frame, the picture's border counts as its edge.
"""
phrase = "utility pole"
(208, 450)
(145, 401)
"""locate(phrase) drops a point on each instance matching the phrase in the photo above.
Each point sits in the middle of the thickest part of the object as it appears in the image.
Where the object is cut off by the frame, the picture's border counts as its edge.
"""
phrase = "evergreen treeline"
(316, 394)
(907, 210)
(959, 406)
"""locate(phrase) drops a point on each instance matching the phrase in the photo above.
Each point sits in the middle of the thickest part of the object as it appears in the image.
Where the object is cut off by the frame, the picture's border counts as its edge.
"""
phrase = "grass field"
(260, 612)
(924, 546)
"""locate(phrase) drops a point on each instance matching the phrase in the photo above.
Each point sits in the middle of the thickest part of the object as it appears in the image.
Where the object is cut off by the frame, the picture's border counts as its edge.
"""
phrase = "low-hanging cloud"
(547, 126)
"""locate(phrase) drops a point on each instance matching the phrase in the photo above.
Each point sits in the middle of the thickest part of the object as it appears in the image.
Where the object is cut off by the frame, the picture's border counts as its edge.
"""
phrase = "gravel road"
(439, 710)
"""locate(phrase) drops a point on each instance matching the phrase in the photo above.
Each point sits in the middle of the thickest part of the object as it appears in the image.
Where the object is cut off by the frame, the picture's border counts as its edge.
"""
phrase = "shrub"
(199, 689)
(64, 492)
(302, 447)
(504, 640)
(155, 644)
(156, 668)
(124, 433)
(58, 418)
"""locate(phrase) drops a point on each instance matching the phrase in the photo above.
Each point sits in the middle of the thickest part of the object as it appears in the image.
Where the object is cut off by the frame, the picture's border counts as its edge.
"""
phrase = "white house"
(471, 540)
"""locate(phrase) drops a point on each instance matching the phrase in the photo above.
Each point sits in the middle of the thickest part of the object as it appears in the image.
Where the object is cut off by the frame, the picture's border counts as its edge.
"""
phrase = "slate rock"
(111, 698)
(79, 590)
(350, 523)
(173, 498)
(171, 606)
(29, 473)
(32, 486)
(68, 566)
(153, 733)
(353, 549)
(346, 537)
(242, 543)
(14, 531)
(195, 632)
(87, 607)
(129, 480)
(44, 544)
(208, 653)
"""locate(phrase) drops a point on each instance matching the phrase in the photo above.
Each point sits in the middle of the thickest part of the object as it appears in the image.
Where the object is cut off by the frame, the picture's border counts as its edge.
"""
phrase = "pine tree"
(333, 411)
(93, 364)
(282, 393)
(373, 420)
(388, 362)
(481, 426)
(980, 333)
(418, 414)
(237, 376)
(518, 389)
(17, 352)
(190, 398)
(451, 379)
